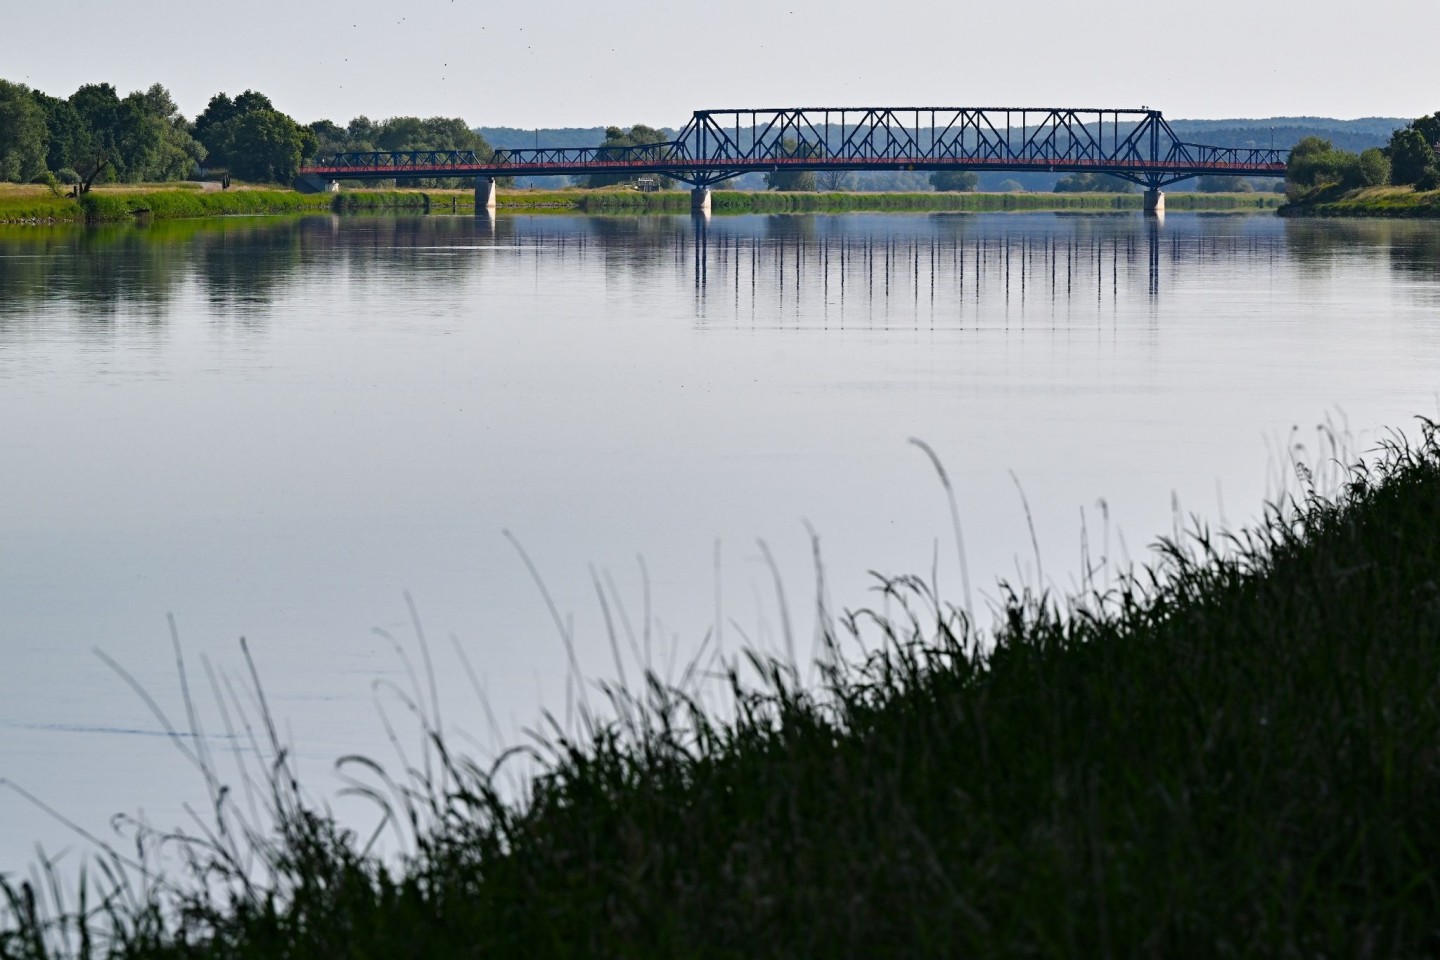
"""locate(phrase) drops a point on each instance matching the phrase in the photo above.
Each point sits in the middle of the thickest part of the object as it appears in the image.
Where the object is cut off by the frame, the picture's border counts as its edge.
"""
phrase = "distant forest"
(95, 135)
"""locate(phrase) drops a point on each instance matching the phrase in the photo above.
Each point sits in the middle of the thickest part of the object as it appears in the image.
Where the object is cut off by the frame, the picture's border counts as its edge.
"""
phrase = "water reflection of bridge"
(992, 266)
(932, 271)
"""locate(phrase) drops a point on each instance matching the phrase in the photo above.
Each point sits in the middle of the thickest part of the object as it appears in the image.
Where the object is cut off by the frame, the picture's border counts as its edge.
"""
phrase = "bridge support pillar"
(700, 200)
(1154, 203)
(484, 193)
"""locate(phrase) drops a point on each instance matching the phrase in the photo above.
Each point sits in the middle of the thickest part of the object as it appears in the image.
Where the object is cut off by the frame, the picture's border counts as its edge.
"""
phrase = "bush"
(961, 181)
(1429, 180)
(1215, 183)
(1373, 168)
(1090, 183)
(67, 176)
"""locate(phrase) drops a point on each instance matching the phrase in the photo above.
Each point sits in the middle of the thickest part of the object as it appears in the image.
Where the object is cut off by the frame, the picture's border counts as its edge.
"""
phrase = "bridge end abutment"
(700, 200)
(1154, 203)
(311, 183)
(485, 194)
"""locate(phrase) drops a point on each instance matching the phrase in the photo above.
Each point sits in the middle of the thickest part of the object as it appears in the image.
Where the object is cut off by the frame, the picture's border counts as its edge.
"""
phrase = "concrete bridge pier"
(1154, 203)
(485, 194)
(700, 200)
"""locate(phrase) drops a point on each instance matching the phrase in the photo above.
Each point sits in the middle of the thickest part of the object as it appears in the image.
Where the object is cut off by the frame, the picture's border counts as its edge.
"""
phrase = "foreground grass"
(1367, 202)
(1234, 754)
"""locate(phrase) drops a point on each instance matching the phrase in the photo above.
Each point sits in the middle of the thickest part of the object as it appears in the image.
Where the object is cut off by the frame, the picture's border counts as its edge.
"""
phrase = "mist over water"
(274, 428)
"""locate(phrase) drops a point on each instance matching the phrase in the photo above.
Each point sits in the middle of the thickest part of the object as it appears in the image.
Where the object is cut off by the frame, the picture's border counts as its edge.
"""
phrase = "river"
(279, 428)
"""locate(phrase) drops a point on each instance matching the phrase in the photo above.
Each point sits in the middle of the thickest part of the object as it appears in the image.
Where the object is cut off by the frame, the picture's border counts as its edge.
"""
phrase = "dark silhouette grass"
(1234, 753)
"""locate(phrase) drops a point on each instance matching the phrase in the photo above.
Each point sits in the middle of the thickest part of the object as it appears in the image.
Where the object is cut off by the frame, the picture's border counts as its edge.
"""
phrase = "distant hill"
(1280, 132)
(1353, 135)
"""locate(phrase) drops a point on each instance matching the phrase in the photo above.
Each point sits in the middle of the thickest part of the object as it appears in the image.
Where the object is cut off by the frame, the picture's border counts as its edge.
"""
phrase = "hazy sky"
(563, 63)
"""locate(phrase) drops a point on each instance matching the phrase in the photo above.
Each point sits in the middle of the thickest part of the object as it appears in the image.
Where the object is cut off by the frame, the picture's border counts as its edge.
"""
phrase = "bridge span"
(1134, 144)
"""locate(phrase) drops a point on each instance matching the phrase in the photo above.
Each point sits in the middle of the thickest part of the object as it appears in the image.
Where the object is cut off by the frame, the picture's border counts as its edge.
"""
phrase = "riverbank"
(1229, 755)
(1367, 202)
(157, 202)
(116, 204)
(742, 202)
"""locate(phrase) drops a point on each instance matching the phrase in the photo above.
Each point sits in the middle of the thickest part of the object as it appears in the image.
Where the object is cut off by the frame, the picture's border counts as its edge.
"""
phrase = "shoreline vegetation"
(1229, 753)
(1386, 201)
(1401, 179)
(22, 205)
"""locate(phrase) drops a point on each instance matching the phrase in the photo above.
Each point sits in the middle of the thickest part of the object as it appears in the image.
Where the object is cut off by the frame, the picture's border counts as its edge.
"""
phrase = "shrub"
(1373, 168)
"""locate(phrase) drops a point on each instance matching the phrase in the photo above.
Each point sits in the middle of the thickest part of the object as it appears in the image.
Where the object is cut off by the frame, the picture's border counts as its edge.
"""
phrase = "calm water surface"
(276, 428)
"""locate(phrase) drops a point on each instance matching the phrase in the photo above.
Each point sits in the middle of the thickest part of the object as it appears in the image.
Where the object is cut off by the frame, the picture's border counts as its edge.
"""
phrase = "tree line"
(1410, 158)
(97, 136)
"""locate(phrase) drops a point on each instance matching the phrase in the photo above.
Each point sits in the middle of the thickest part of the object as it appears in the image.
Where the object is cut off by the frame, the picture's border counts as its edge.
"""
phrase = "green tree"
(1093, 183)
(1411, 154)
(789, 179)
(98, 149)
(615, 137)
(212, 128)
(954, 181)
(266, 145)
(329, 136)
(153, 140)
(1315, 164)
(24, 138)
(67, 135)
(1219, 183)
(1374, 168)
(253, 140)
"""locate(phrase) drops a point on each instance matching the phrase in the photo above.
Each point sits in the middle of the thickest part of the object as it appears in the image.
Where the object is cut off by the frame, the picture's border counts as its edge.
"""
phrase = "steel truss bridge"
(1134, 144)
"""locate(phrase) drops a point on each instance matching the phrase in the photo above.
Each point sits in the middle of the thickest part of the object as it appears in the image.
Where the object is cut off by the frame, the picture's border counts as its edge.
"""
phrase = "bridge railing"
(386, 163)
(666, 152)
(390, 160)
(1201, 154)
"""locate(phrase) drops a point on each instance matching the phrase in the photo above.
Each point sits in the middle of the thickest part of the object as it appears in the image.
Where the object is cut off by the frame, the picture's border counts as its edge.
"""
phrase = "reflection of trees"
(94, 270)
(235, 262)
(1411, 247)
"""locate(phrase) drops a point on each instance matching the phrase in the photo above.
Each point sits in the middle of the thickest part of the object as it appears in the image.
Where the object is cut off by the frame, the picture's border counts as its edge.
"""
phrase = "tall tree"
(98, 152)
(67, 134)
(266, 145)
(153, 139)
(252, 139)
(1411, 154)
(24, 138)
(615, 137)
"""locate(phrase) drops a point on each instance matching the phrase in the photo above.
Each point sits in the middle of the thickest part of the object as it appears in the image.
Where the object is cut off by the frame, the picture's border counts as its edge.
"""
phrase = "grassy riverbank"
(1367, 202)
(159, 202)
(114, 204)
(1229, 756)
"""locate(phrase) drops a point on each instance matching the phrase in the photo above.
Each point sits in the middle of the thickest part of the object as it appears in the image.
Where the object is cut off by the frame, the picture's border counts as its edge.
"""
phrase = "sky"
(550, 63)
